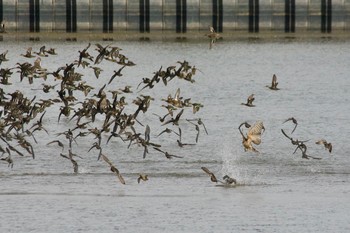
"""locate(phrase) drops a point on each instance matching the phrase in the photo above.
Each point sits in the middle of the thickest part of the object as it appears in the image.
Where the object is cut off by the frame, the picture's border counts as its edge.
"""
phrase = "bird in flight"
(250, 100)
(142, 177)
(212, 176)
(253, 135)
(213, 36)
(113, 169)
(300, 145)
(327, 145)
(274, 83)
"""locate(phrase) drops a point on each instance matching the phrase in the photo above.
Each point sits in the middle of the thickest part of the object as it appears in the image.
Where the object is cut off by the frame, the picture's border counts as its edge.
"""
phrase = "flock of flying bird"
(19, 113)
(22, 117)
(253, 136)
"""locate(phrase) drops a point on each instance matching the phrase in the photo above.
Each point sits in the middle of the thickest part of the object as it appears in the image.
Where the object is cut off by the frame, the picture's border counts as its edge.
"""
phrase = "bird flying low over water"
(229, 180)
(142, 177)
(213, 36)
(113, 169)
(70, 157)
(28, 53)
(212, 176)
(300, 145)
(226, 179)
(175, 120)
(250, 100)
(253, 135)
(58, 142)
(327, 145)
(274, 83)
(167, 155)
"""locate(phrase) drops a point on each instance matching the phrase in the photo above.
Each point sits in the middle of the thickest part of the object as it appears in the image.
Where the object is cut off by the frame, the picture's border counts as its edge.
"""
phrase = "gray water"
(277, 190)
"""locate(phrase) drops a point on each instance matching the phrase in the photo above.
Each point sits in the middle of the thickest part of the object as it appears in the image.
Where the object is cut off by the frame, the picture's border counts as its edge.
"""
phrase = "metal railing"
(179, 16)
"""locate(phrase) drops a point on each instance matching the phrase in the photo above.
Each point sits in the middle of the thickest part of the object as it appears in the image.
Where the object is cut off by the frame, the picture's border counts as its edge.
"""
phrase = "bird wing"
(256, 139)
(159, 150)
(206, 170)
(120, 177)
(322, 141)
(106, 160)
(179, 115)
(177, 95)
(147, 133)
(274, 80)
(250, 99)
(254, 133)
(286, 135)
(330, 147)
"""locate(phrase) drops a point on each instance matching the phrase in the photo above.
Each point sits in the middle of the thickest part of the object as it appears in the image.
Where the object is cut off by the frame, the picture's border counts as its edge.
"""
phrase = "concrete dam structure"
(178, 16)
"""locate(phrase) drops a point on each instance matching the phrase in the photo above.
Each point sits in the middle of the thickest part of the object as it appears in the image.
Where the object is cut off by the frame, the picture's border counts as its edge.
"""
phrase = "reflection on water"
(278, 191)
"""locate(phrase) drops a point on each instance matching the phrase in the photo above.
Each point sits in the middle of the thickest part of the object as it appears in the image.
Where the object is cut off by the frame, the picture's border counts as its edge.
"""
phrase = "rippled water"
(277, 191)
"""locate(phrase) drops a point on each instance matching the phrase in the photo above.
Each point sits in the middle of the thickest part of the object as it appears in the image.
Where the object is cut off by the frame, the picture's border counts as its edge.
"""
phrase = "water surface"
(278, 191)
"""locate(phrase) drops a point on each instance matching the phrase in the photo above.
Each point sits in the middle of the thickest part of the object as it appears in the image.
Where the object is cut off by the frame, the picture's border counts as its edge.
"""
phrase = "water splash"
(236, 164)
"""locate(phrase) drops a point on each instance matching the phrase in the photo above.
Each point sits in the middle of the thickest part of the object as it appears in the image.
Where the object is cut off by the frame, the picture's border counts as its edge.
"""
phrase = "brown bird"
(117, 73)
(250, 100)
(161, 119)
(103, 51)
(176, 120)
(3, 56)
(39, 125)
(229, 180)
(51, 51)
(70, 157)
(58, 142)
(184, 144)
(42, 52)
(199, 122)
(113, 169)
(84, 54)
(327, 145)
(97, 71)
(213, 36)
(167, 155)
(28, 53)
(167, 130)
(253, 135)
(196, 107)
(212, 176)
(142, 177)
(274, 83)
